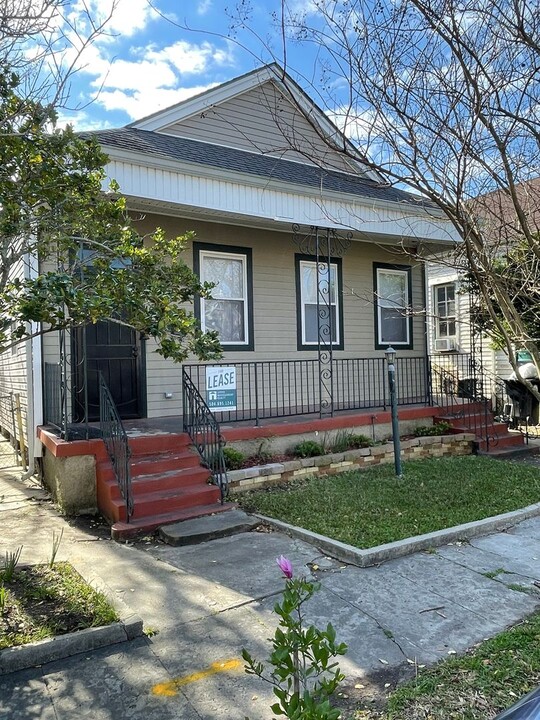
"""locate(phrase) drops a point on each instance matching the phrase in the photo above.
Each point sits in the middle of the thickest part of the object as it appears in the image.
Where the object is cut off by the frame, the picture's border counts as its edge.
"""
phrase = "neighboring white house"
(240, 165)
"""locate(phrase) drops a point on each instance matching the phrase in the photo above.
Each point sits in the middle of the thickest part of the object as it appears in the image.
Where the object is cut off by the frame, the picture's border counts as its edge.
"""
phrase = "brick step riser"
(154, 444)
(160, 505)
(144, 486)
(147, 466)
(497, 443)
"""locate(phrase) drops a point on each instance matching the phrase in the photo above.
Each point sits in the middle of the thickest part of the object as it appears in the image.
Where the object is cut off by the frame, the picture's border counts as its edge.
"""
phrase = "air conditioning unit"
(445, 344)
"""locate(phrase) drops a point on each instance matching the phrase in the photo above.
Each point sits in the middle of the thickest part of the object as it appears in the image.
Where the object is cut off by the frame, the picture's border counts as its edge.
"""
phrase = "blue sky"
(146, 62)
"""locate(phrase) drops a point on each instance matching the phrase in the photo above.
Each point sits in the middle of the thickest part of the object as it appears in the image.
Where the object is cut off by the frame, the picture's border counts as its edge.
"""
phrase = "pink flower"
(285, 566)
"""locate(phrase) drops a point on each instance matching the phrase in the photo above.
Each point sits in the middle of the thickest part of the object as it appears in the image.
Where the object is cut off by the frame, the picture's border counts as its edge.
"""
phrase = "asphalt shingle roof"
(265, 166)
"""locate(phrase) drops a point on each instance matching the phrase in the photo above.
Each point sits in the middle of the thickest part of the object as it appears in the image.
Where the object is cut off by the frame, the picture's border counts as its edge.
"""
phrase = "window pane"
(393, 326)
(309, 283)
(227, 273)
(392, 288)
(311, 324)
(227, 317)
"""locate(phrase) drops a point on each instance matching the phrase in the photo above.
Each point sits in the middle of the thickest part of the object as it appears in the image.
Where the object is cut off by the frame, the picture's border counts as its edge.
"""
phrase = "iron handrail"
(116, 441)
(203, 428)
(461, 396)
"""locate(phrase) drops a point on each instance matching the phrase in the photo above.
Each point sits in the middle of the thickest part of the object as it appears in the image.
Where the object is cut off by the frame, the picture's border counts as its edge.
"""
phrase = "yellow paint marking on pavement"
(170, 688)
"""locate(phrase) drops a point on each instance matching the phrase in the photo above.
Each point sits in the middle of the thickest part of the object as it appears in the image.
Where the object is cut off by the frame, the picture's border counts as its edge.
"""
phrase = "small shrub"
(307, 448)
(11, 560)
(233, 458)
(346, 440)
(440, 428)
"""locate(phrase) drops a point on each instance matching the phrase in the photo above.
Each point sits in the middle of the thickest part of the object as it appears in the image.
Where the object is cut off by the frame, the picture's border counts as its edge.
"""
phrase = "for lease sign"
(221, 387)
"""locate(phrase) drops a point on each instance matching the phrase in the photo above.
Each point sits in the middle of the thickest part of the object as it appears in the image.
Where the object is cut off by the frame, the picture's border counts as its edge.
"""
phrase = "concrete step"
(208, 527)
(144, 484)
(122, 530)
(163, 462)
(511, 453)
(504, 441)
(162, 501)
(159, 443)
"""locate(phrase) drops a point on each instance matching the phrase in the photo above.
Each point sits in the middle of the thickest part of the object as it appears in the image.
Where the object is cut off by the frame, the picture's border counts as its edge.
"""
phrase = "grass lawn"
(476, 686)
(372, 507)
(39, 602)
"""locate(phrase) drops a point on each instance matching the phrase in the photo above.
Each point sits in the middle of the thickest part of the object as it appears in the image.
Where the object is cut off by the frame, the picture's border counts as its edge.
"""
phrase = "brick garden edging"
(415, 449)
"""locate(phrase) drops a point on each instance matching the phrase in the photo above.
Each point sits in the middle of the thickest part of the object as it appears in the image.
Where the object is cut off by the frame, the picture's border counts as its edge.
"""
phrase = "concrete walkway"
(202, 604)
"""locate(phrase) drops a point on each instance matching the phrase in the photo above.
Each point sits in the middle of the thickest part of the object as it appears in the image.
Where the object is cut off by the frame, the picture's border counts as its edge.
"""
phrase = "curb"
(399, 548)
(129, 627)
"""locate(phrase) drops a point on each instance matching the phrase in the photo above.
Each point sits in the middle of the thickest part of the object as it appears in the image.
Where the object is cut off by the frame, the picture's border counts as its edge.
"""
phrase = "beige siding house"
(258, 172)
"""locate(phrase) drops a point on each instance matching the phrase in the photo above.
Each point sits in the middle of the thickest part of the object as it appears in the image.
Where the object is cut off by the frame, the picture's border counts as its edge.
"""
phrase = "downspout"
(34, 411)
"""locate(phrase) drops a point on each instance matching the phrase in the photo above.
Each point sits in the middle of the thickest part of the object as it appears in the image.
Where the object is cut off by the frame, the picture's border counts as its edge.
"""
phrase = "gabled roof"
(161, 120)
(270, 168)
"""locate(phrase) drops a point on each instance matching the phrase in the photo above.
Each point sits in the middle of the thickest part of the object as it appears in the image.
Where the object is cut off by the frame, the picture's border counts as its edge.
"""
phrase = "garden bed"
(375, 507)
(41, 602)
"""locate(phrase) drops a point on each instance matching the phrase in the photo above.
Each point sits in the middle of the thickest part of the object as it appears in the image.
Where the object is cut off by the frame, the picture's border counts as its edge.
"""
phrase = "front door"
(115, 351)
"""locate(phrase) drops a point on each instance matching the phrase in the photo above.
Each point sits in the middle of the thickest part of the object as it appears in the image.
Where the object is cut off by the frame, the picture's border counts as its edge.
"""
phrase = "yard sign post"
(391, 360)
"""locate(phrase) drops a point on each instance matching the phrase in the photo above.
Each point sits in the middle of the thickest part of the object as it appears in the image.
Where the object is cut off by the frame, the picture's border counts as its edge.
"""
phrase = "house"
(315, 260)
(453, 340)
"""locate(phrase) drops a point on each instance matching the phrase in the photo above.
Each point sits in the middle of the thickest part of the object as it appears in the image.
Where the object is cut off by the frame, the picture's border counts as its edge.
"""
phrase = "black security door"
(115, 350)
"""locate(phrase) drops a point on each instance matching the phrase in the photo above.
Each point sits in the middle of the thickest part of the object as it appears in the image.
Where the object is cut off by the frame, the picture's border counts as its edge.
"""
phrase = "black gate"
(116, 351)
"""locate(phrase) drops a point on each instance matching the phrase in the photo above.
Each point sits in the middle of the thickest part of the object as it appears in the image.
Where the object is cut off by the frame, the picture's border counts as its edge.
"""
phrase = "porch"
(150, 471)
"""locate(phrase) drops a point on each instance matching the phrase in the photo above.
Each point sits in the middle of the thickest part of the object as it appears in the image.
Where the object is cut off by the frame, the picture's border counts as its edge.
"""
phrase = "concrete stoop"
(210, 527)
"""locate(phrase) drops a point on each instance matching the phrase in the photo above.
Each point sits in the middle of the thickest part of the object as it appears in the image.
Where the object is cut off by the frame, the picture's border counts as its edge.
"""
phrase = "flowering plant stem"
(301, 667)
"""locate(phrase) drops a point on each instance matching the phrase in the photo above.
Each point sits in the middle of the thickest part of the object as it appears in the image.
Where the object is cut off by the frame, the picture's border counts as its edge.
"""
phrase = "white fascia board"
(296, 203)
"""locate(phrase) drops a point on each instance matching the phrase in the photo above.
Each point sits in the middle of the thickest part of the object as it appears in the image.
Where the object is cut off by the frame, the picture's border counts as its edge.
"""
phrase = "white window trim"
(392, 271)
(437, 317)
(229, 256)
(314, 343)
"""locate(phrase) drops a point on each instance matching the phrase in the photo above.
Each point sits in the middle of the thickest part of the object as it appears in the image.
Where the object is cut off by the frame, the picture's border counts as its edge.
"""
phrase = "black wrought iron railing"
(116, 441)
(55, 399)
(283, 388)
(466, 389)
(203, 428)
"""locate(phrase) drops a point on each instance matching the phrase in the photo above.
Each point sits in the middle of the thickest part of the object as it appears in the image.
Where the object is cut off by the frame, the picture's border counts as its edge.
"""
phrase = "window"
(393, 324)
(445, 310)
(229, 311)
(306, 294)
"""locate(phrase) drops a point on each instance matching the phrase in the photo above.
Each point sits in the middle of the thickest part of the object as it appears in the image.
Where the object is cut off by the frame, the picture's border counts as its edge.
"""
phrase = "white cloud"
(122, 16)
(145, 102)
(81, 120)
(204, 6)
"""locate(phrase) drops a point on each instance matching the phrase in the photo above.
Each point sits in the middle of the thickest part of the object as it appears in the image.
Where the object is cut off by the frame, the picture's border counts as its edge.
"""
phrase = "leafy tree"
(93, 265)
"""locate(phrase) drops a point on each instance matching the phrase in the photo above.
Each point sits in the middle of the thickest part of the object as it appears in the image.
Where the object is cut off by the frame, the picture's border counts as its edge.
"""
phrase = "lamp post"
(390, 354)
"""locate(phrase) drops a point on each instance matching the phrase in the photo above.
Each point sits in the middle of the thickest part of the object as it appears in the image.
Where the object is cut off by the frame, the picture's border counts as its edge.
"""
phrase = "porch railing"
(466, 389)
(283, 388)
(54, 399)
(116, 441)
(203, 428)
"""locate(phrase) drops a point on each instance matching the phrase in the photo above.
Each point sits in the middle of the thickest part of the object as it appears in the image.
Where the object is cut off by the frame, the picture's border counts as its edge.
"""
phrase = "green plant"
(3, 599)
(56, 540)
(10, 563)
(346, 440)
(304, 675)
(307, 448)
(233, 458)
(440, 428)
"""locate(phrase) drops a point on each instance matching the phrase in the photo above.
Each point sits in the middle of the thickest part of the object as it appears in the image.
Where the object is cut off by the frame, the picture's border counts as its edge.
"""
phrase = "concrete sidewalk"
(202, 604)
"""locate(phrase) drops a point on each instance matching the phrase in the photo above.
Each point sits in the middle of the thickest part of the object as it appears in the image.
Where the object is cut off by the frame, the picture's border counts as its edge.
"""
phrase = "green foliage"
(3, 599)
(346, 440)
(440, 428)
(98, 266)
(307, 448)
(11, 560)
(233, 458)
(56, 540)
(302, 670)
